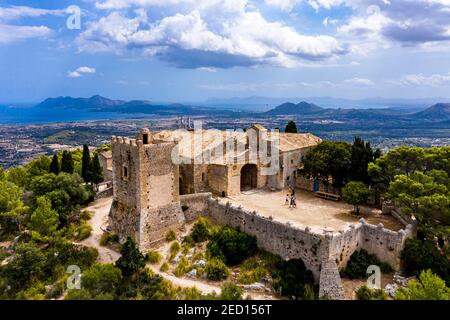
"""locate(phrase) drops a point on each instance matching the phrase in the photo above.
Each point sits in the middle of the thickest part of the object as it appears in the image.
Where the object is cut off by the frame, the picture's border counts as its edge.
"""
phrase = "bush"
(171, 235)
(365, 293)
(200, 231)
(83, 231)
(164, 267)
(153, 257)
(108, 238)
(86, 215)
(174, 249)
(182, 267)
(291, 277)
(230, 291)
(428, 287)
(216, 270)
(101, 278)
(231, 245)
(421, 255)
(358, 264)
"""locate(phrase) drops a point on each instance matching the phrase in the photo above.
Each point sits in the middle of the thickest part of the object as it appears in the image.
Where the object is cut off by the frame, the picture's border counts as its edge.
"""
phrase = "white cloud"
(360, 82)
(215, 34)
(433, 80)
(77, 73)
(285, 5)
(11, 33)
(16, 12)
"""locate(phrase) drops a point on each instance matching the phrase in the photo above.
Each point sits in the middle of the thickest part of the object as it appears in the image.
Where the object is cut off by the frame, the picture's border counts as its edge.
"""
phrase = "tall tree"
(97, 172)
(67, 164)
(362, 155)
(329, 159)
(54, 165)
(355, 193)
(44, 219)
(86, 165)
(291, 127)
(131, 260)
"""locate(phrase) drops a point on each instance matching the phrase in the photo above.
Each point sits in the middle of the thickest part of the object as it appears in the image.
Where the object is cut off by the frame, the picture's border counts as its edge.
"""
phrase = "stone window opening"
(145, 138)
(203, 177)
(125, 172)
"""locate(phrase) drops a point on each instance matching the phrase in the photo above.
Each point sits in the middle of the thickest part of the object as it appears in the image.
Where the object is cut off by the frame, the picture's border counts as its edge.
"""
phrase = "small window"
(292, 161)
(125, 172)
(145, 138)
(203, 177)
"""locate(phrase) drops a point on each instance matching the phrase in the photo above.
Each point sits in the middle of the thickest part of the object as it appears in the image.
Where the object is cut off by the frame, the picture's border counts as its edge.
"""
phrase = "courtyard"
(319, 214)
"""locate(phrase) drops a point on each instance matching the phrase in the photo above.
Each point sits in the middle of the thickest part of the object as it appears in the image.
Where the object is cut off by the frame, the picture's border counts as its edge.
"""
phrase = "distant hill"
(439, 112)
(93, 103)
(302, 108)
(101, 104)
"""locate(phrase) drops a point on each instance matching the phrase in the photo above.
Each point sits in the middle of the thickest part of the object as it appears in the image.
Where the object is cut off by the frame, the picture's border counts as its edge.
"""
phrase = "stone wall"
(318, 251)
(330, 284)
(195, 205)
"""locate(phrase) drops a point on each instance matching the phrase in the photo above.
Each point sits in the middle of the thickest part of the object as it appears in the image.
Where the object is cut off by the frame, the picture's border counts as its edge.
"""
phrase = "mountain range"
(436, 113)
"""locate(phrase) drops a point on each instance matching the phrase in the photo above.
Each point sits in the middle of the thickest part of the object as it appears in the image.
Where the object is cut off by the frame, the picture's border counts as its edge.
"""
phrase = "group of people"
(290, 199)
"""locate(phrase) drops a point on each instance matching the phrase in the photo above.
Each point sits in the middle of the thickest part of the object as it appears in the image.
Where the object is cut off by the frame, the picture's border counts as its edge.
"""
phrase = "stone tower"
(146, 192)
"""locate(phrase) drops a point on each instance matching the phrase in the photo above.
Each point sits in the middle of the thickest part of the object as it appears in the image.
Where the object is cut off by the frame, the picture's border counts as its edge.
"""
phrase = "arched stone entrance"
(248, 177)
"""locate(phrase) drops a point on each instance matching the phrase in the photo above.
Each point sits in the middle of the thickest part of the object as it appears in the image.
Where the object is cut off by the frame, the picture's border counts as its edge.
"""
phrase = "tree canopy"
(291, 127)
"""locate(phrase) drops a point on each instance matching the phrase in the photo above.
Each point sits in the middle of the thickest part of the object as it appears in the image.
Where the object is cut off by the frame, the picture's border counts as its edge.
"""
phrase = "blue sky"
(192, 50)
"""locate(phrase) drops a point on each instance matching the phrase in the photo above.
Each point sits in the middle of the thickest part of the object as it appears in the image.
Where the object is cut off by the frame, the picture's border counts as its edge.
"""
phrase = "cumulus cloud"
(11, 33)
(404, 22)
(285, 5)
(214, 34)
(79, 72)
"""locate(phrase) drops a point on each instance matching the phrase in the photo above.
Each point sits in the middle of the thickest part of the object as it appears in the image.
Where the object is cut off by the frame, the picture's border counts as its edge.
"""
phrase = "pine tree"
(54, 165)
(97, 172)
(131, 260)
(44, 219)
(86, 165)
(291, 127)
(67, 164)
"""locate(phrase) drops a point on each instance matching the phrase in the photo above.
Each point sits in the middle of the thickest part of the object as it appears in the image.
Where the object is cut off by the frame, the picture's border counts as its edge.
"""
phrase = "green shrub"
(291, 277)
(83, 231)
(170, 235)
(101, 278)
(230, 291)
(182, 267)
(429, 286)
(365, 293)
(108, 238)
(188, 242)
(252, 276)
(86, 215)
(200, 231)
(359, 262)
(153, 257)
(216, 270)
(231, 245)
(78, 294)
(191, 293)
(174, 249)
(421, 255)
(164, 267)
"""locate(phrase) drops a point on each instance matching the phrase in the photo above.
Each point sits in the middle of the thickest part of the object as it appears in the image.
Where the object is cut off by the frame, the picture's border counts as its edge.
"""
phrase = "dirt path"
(100, 210)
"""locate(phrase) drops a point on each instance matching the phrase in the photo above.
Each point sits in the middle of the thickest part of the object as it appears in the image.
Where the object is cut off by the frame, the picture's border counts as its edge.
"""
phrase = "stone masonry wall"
(330, 284)
(318, 251)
